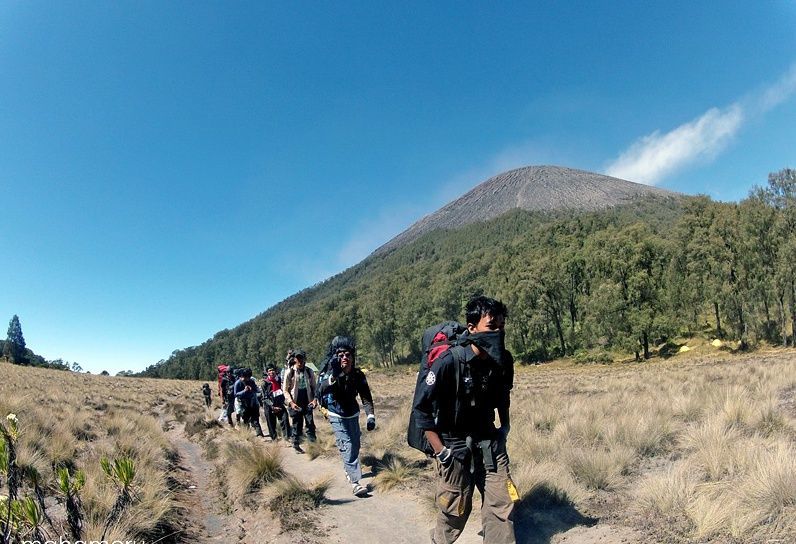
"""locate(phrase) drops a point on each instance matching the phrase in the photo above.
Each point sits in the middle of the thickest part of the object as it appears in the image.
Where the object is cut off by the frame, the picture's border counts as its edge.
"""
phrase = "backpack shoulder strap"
(458, 352)
(459, 357)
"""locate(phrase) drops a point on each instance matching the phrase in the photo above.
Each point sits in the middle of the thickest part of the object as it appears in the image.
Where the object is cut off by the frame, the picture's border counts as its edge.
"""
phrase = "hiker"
(300, 393)
(288, 364)
(274, 403)
(206, 392)
(222, 371)
(338, 391)
(246, 404)
(228, 386)
(455, 405)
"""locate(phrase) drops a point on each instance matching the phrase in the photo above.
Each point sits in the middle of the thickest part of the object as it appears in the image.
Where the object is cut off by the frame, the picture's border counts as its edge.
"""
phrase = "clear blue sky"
(171, 169)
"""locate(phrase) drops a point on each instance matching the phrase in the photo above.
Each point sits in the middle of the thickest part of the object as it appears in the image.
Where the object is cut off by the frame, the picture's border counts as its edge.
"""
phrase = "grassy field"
(689, 449)
(73, 421)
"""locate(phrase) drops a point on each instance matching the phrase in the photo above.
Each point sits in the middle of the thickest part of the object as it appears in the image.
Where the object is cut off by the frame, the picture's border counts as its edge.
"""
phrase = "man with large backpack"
(300, 395)
(454, 406)
(228, 388)
(246, 403)
(339, 387)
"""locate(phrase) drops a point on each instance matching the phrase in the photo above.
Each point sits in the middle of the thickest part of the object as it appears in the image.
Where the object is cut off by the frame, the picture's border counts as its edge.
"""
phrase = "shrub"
(250, 465)
(593, 356)
(599, 468)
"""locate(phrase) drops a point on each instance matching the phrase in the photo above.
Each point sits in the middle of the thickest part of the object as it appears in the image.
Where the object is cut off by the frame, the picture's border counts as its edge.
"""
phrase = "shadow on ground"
(543, 513)
(380, 464)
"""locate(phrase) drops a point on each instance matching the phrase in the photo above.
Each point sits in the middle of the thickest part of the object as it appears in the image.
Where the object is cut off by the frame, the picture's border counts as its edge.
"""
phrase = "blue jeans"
(347, 435)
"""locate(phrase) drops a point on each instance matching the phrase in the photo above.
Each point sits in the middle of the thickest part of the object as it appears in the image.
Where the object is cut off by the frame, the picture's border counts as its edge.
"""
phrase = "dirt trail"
(397, 517)
(206, 523)
(394, 517)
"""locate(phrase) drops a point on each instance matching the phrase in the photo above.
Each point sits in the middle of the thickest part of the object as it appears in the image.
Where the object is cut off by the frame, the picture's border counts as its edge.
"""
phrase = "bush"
(593, 356)
(251, 465)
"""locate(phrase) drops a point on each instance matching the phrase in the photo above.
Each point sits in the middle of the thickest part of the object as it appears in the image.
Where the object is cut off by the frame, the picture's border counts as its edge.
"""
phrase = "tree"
(76, 368)
(781, 195)
(14, 347)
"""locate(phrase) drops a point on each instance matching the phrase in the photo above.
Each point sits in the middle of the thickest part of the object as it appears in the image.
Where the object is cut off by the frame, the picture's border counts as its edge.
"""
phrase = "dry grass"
(76, 420)
(324, 445)
(250, 465)
(295, 502)
(395, 472)
(683, 450)
(700, 450)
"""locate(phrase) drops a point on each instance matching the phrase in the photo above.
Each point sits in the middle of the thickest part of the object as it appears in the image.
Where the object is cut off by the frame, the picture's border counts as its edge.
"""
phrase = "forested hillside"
(620, 280)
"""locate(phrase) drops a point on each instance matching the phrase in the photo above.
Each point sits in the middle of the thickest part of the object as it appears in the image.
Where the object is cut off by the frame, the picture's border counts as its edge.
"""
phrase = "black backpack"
(436, 341)
(231, 379)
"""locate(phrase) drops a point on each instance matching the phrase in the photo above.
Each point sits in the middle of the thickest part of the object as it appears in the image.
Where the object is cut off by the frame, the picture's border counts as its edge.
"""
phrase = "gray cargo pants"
(454, 499)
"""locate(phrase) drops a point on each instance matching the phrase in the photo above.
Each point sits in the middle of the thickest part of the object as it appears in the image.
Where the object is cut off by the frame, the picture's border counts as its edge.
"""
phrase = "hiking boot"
(298, 449)
(359, 490)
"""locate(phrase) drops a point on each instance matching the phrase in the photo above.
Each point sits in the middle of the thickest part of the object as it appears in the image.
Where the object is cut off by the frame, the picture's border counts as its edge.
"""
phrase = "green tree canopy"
(14, 348)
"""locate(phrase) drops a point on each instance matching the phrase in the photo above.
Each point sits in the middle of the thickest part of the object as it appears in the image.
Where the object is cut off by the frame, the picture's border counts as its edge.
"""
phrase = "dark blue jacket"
(340, 395)
(247, 398)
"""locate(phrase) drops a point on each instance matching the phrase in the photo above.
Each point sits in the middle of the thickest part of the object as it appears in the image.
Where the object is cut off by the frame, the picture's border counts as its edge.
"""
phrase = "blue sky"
(171, 169)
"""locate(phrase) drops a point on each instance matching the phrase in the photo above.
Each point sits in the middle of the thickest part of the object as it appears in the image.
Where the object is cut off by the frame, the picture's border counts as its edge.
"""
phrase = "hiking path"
(393, 517)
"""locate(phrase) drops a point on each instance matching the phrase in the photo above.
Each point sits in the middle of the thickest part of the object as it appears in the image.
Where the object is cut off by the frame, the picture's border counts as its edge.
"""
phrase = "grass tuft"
(295, 501)
(600, 468)
(395, 472)
(250, 465)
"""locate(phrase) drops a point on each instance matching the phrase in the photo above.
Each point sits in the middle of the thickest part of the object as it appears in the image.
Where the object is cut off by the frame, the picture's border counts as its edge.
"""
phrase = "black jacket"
(340, 397)
(461, 402)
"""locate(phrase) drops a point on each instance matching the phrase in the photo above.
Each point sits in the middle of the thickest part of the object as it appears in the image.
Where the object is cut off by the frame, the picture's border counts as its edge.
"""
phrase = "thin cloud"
(778, 93)
(655, 156)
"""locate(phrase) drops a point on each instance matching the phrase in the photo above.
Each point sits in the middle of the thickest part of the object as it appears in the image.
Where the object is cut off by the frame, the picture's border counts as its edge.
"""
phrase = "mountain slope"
(532, 188)
(507, 227)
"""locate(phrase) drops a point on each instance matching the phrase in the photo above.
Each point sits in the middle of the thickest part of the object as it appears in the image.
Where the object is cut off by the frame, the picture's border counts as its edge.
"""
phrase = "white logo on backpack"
(431, 378)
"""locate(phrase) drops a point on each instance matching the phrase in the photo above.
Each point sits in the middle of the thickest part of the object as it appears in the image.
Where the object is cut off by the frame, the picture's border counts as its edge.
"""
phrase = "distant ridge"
(533, 188)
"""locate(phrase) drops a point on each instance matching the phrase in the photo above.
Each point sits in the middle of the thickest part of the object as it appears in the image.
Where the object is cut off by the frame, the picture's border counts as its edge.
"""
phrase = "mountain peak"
(533, 188)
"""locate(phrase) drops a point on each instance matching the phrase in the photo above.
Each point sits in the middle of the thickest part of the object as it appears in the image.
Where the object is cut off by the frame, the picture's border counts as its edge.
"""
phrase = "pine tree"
(14, 347)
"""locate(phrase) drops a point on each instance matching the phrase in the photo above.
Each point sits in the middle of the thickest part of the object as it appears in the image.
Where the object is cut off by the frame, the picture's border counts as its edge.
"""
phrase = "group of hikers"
(465, 378)
(289, 399)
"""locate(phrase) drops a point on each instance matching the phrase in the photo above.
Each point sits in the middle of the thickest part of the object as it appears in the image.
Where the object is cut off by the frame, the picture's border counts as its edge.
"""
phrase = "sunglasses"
(343, 353)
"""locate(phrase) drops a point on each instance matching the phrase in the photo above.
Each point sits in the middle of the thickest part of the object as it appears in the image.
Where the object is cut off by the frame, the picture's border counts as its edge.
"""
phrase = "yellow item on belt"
(512, 490)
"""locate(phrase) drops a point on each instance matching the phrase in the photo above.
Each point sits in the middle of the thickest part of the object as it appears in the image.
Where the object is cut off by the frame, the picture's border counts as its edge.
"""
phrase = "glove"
(371, 423)
(336, 368)
(445, 456)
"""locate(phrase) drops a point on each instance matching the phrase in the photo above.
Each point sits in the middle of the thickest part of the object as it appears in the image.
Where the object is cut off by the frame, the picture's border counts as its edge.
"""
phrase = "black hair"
(480, 306)
(342, 342)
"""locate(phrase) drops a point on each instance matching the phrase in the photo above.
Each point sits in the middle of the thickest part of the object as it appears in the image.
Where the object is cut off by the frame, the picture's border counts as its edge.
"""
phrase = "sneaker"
(359, 490)
(298, 449)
